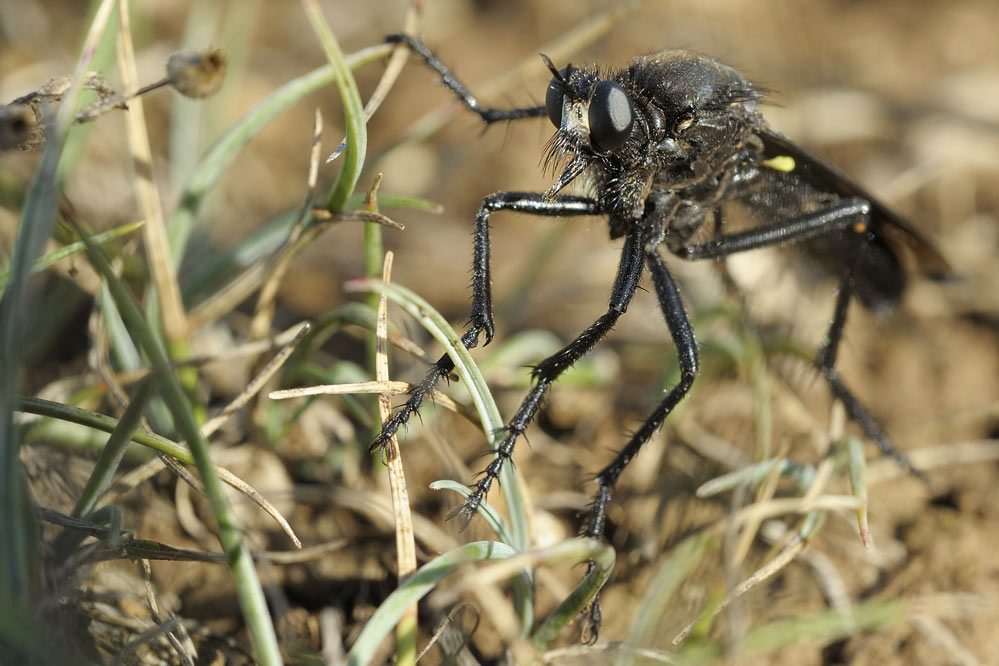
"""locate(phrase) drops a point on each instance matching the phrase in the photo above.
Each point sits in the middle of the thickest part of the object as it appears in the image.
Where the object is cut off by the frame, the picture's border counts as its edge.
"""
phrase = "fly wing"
(888, 227)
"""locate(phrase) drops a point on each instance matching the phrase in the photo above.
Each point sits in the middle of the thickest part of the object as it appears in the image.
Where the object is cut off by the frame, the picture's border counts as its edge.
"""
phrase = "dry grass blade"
(186, 650)
(446, 633)
(258, 382)
(264, 313)
(232, 481)
(392, 70)
(384, 388)
(161, 266)
(404, 542)
(242, 486)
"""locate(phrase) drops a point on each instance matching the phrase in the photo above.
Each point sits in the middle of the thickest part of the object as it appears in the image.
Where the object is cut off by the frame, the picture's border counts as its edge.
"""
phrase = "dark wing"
(888, 227)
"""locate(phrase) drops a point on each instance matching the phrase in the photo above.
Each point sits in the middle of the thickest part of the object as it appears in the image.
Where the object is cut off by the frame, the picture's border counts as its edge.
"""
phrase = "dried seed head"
(18, 127)
(196, 73)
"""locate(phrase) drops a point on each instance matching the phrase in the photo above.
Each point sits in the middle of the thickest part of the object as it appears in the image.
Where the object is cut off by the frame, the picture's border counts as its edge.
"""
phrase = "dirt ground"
(903, 96)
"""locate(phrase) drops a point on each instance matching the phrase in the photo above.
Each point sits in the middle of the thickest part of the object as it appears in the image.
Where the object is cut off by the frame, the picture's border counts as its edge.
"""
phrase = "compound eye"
(554, 97)
(610, 116)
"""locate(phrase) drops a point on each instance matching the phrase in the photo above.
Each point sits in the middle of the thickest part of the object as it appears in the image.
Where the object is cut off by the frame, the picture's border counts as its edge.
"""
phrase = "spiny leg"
(547, 371)
(837, 217)
(482, 308)
(825, 360)
(442, 368)
(686, 347)
(845, 216)
(455, 86)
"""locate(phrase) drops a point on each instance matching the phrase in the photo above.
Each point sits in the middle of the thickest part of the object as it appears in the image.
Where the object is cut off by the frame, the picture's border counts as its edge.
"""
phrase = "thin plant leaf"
(66, 251)
(353, 110)
(225, 150)
(489, 416)
(858, 484)
(248, 588)
(417, 586)
(486, 510)
(603, 557)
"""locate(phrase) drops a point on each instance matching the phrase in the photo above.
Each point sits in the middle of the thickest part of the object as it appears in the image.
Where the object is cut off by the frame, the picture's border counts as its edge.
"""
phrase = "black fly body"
(671, 145)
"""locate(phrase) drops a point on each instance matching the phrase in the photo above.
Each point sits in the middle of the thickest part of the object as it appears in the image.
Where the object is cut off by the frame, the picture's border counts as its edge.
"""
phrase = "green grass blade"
(71, 249)
(489, 415)
(353, 109)
(415, 588)
(576, 550)
(110, 458)
(248, 588)
(857, 463)
(224, 151)
(492, 518)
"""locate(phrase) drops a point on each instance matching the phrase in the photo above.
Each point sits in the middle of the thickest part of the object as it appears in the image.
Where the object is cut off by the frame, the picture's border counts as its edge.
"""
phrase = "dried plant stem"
(404, 541)
(161, 266)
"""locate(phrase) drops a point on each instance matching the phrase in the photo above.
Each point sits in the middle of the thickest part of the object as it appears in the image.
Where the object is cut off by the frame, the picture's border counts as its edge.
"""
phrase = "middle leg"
(547, 371)
(686, 346)
(482, 304)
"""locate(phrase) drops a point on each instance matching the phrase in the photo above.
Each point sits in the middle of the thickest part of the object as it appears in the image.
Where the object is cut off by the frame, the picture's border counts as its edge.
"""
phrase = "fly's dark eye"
(610, 116)
(553, 99)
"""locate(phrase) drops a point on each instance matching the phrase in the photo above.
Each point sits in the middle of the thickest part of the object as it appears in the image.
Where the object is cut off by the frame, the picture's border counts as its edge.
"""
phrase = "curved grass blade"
(415, 588)
(85, 417)
(353, 109)
(69, 250)
(489, 415)
(492, 518)
(603, 557)
(228, 146)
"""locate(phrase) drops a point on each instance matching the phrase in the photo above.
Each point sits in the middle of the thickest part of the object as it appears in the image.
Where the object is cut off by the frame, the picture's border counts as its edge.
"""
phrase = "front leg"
(482, 303)
(458, 88)
(547, 371)
(532, 203)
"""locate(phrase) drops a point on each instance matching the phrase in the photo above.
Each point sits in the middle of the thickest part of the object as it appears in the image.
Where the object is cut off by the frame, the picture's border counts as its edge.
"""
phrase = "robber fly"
(668, 145)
